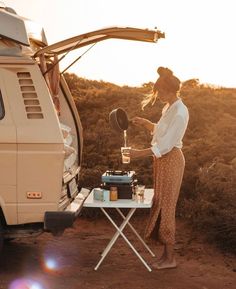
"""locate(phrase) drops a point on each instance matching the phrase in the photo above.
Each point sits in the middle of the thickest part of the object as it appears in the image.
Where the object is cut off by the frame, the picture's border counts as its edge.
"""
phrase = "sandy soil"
(67, 262)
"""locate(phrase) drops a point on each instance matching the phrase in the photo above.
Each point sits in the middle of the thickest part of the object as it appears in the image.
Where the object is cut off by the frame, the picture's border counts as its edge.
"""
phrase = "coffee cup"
(125, 153)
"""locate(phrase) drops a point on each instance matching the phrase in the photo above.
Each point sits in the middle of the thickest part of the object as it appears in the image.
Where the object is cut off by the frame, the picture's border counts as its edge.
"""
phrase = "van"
(41, 136)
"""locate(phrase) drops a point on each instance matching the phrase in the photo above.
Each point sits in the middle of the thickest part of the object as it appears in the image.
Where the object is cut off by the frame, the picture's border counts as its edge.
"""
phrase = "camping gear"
(124, 181)
(119, 120)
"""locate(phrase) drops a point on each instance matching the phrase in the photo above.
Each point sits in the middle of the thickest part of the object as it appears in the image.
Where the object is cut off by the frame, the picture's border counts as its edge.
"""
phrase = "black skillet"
(119, 120)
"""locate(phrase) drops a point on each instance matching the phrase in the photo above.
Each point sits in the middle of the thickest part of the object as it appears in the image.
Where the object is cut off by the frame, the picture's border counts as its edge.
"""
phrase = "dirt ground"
(67, 262)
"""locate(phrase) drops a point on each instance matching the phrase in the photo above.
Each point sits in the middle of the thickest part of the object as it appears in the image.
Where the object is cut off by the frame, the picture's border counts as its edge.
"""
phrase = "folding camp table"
(132, 205)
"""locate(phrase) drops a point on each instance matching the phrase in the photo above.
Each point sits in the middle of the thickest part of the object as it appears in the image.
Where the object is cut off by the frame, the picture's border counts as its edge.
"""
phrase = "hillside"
(208, 198)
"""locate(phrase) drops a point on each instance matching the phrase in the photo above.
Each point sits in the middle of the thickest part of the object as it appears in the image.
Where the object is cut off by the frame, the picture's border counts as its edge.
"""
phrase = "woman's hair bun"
(167, 80)
(164, 71)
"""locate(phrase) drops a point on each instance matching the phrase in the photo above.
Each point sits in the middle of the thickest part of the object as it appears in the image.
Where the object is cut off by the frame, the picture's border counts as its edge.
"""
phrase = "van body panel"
(9, 209)
(8, 160)
(8, 164)
(39, 169)
(31, 104)
(7, 125)
(34, 213)
(39, 180)
(8, 181)
(14, 61)
(8, 132)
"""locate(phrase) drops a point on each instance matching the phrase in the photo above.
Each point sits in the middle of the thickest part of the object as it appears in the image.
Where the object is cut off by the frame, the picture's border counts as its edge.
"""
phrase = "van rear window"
(2, 110)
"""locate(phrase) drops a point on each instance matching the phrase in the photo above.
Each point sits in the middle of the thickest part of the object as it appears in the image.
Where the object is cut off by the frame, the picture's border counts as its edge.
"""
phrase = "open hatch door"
(100, 35)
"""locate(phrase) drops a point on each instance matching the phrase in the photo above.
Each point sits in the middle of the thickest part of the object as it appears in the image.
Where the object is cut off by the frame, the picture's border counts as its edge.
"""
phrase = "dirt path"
(74, 255)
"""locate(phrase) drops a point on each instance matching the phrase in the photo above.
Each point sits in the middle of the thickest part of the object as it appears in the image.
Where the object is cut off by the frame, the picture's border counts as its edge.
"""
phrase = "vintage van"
(41, 136)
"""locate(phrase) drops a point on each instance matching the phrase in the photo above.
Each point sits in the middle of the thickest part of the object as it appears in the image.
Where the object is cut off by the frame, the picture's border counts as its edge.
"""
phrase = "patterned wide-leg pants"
(168, 174)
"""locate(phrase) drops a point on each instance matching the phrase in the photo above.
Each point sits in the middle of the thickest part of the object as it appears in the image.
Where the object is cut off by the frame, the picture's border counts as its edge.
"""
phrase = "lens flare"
(25, 283)
(51, 264)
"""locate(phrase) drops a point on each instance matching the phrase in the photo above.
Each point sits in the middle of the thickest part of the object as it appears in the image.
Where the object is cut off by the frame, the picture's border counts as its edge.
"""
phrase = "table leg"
(116, 235)
(119, 232)
(136, 233)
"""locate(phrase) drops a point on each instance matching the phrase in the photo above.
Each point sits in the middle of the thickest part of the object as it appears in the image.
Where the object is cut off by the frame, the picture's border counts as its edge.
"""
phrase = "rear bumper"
(57, 221)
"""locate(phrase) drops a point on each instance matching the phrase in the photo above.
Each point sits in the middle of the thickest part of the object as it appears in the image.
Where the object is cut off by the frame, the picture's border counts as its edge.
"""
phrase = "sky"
(199, 39)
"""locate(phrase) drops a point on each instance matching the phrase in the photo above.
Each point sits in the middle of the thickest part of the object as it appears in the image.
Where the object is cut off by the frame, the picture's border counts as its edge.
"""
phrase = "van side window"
(2, 110)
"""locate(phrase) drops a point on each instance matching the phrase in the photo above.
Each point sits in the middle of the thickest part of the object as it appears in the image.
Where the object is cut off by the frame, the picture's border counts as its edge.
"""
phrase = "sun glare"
(25, 283)
(51, 264)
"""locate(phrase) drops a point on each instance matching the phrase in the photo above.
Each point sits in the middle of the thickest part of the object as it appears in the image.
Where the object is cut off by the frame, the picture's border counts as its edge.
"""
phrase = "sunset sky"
(199, 37)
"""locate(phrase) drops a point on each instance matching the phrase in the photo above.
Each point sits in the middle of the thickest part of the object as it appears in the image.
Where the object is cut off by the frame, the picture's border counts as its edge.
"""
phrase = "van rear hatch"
(126, 33)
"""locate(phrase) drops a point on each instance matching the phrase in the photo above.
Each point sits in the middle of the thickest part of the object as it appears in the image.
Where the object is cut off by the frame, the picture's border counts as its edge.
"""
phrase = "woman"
(168, 162)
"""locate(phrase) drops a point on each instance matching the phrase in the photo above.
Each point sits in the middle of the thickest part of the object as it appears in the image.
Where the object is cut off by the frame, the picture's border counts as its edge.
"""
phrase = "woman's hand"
(139, 121)
(135, 153)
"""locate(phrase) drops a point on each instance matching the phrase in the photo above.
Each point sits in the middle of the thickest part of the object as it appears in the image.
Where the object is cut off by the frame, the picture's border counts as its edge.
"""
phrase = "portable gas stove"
(125, 181)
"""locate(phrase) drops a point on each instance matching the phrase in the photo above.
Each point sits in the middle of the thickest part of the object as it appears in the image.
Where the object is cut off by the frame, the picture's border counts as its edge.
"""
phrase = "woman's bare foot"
(165, 264)
(162, 258)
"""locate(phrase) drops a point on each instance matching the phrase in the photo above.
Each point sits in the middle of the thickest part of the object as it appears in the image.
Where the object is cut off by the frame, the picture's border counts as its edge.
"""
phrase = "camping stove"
(118, 176)
(125, 181)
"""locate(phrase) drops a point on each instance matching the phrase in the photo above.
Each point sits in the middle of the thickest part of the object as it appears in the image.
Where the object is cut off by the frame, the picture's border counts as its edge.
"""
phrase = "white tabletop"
(121, 203)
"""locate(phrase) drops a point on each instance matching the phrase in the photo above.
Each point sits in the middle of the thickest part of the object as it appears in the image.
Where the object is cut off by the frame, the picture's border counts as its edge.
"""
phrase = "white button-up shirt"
(169, 130)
